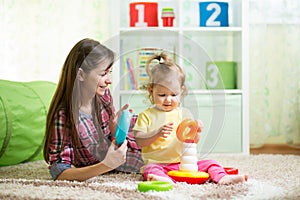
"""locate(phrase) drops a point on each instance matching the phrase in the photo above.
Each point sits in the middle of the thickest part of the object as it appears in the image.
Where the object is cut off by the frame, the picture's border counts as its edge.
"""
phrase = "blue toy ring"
(154, 186)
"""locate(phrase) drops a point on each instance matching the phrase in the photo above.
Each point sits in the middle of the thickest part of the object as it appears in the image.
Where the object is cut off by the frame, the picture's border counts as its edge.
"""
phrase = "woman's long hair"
(87, 54)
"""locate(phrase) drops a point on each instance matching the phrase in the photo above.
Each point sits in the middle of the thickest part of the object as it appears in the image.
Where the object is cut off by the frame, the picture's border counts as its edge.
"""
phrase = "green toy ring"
(154, 186)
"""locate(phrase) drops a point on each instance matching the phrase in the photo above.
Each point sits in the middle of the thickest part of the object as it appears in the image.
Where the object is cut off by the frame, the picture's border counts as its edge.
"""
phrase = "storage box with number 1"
(143, 14)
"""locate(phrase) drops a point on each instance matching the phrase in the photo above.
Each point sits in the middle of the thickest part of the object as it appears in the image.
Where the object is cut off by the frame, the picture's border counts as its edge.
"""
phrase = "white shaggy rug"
(270, 177)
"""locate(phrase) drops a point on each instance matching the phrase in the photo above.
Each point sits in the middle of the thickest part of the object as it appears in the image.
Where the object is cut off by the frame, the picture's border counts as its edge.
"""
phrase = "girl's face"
(165, 98)
(98, 79)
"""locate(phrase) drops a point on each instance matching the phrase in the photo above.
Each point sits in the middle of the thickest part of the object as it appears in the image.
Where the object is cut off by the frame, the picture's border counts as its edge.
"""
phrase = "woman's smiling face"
(98, 79)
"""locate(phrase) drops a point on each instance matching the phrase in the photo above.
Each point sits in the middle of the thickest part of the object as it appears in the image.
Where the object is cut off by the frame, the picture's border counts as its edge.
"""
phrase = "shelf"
(147, 29)
(132, 92)
(194, 48)
(190, 29)
(213, 29)
(231, 91)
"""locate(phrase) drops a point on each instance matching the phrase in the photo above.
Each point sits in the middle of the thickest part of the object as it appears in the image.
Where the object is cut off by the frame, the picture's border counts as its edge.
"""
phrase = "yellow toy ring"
(154, 186)
(187, 130)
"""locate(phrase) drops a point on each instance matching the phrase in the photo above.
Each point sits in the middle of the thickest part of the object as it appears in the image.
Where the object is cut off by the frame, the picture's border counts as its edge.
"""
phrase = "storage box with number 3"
(221, 75)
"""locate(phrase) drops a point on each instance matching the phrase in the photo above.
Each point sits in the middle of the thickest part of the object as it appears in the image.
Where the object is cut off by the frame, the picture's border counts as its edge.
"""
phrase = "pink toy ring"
(187, 130)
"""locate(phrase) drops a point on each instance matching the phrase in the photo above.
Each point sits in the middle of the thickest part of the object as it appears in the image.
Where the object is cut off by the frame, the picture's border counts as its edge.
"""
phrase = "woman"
(81, 121)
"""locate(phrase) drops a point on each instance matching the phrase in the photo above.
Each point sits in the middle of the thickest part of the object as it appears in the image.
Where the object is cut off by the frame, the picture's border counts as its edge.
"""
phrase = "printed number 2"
(211, 21)
(214, 72)
(141, 15)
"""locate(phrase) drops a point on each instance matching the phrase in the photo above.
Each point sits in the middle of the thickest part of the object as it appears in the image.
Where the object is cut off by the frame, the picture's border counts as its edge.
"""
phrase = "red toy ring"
(231, 170)
(187, 130)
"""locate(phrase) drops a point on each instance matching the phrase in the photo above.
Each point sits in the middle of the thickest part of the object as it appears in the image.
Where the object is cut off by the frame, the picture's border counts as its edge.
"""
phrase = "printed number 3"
(211, 21)
(213, 73)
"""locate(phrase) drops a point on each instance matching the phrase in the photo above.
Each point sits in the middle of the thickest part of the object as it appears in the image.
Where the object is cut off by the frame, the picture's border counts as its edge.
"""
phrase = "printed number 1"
(214, 72)
(211, 21)
(141, 15)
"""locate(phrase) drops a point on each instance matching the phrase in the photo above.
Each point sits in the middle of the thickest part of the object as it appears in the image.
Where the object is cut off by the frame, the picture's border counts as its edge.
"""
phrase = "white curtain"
(274, 71)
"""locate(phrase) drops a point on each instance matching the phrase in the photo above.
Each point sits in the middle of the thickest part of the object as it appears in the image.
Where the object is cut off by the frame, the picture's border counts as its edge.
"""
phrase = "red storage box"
(143, 14)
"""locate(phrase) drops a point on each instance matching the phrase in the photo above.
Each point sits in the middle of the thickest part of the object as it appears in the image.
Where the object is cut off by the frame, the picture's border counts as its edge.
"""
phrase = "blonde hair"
(163, 73)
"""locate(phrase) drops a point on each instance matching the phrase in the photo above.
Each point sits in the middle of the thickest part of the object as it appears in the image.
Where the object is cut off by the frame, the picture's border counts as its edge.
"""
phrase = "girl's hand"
(113, 122)
(200, 126)
(166, 130)
(199, 130)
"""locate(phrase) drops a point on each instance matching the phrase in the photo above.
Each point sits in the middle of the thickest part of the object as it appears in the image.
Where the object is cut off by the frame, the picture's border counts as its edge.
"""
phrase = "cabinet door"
(222, 118)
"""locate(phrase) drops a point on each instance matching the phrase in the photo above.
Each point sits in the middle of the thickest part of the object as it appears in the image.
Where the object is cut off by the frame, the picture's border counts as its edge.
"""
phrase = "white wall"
(37, 35)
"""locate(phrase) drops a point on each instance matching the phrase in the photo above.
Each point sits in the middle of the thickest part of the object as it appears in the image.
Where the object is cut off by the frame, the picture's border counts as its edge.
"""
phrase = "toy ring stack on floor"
(188, 168)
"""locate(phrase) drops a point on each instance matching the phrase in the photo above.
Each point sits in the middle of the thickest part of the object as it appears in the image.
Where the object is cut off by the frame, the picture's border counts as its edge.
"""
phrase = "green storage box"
(221, 75)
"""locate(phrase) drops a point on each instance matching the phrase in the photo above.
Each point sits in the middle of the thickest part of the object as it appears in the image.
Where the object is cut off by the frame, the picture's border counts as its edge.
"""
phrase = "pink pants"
(215, 171)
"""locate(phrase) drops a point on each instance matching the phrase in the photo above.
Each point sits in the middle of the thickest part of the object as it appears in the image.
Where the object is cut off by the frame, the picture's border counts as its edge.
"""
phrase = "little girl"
(155, 128)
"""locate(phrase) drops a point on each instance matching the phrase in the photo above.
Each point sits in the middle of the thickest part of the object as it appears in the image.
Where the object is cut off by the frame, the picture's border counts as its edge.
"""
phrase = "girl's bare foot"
(233, 179)
(152, 177)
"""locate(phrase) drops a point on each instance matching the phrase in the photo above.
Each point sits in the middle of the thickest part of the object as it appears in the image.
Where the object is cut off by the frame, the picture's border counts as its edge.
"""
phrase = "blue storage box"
(213, 13)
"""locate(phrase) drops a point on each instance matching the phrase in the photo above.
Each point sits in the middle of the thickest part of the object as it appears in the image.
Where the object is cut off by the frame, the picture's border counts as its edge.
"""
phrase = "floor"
(275, 149)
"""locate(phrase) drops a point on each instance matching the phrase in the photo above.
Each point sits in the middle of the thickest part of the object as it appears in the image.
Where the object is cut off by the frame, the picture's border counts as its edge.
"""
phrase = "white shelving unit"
(223, 111)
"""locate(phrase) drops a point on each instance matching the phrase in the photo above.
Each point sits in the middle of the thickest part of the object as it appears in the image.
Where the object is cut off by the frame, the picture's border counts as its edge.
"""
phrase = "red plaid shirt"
(93, 149)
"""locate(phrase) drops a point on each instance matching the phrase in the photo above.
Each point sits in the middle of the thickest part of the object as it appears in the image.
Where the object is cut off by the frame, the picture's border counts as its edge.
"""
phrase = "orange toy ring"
(189, 177)
(187, 130)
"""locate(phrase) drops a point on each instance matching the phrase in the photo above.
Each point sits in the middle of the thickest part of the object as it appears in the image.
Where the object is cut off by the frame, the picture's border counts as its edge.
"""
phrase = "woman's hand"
(113, 122)
(115, 156)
